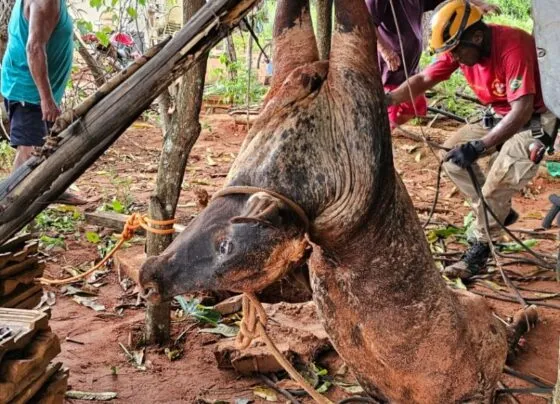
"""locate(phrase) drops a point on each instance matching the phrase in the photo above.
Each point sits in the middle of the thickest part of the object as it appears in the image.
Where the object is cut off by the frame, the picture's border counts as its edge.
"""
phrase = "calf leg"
(294, 40)
(354, 43)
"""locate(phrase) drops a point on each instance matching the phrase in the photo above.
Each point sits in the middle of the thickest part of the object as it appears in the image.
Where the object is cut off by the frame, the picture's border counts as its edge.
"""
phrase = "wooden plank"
(86, 140)
(15, 243)
(22, 292)
(8, 258)
(30, 264)
(30, 302)
(54, 389)
(116, 221)
(19, 327)
(27, 394)
(27, 277)
(19, 373)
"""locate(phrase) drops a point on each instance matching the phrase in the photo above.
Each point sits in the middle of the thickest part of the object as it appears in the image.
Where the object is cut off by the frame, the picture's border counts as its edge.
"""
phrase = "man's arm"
(43, 17)
(418, 83)
(520, 114)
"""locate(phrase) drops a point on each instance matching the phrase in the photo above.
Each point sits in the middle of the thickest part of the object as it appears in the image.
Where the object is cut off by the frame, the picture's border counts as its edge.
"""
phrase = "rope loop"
(134, 222)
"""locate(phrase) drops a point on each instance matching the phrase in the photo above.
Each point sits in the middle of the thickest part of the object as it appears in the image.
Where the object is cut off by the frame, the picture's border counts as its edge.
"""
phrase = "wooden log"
(86, 140)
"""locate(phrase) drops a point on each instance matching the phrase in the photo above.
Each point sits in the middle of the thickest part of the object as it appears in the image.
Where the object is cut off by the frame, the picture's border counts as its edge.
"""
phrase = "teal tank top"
(16, 81)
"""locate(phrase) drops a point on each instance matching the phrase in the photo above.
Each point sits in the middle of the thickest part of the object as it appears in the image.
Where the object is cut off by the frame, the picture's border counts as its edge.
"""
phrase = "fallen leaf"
(492, 285)
(210, 161)
(410, 148)
(88, 302)
(418, 157)
(265, 393)
(90, 395)
(222, 329)
(324, 387)
(173, 354)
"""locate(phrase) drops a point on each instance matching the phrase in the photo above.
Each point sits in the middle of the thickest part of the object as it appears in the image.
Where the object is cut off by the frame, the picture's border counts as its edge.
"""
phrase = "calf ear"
(261, 208)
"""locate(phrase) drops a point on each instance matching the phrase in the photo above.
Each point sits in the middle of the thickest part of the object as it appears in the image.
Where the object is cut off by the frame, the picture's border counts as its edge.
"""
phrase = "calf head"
(238, 243)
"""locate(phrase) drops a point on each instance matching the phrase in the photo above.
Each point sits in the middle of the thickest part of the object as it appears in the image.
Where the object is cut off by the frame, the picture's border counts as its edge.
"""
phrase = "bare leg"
(23, 153)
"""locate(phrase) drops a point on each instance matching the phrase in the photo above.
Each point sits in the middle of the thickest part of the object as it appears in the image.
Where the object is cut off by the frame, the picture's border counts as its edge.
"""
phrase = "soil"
(127, 172)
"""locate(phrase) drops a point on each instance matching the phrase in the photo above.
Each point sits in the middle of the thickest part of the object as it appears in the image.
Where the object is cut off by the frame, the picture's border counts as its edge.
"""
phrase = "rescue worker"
(35, 71)
(500, 65)
(391, 64)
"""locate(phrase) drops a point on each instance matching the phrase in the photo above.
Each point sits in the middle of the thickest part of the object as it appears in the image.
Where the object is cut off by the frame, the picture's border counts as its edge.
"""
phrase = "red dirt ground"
(195, 375)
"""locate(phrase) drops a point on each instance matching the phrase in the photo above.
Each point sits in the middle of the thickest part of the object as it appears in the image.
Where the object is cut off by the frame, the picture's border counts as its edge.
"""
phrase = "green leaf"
(93, 237)
(265, 393)
(318, 370)
(195, 309)
(132, 12)
(142, 2)
(514, 247)
(324, 387)
(103, 38)
(117, 206)
(97, 4)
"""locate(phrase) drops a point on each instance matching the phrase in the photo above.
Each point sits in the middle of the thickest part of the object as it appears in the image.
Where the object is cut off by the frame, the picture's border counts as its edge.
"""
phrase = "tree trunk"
(180, 137)
(324, 27)
(95, 69)
(232, 56)
(164, 107)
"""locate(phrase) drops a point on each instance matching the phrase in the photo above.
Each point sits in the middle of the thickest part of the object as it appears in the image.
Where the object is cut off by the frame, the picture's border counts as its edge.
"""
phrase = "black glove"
(466, 154)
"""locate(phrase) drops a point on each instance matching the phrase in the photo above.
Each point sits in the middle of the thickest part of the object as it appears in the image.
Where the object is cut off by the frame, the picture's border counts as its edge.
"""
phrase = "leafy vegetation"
(7, 154)
(234, 90)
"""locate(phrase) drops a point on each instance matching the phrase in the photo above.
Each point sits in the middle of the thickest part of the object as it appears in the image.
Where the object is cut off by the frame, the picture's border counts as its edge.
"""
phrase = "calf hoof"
(523, 321)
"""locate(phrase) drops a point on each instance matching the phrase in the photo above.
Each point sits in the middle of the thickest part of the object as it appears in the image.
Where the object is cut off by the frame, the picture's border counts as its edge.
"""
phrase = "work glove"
(466, 154)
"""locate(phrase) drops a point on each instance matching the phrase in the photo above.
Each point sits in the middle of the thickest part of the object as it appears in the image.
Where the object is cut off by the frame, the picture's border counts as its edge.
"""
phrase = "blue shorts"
(27, 127)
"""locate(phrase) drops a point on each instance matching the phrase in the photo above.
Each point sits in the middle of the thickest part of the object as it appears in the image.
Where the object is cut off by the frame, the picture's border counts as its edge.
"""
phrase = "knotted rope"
(253, 326)
(134, 222)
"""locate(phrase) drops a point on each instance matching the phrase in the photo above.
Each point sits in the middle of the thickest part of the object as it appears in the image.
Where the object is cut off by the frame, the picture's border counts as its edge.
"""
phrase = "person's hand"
(392, 59)
(466, 154)
(50, 110)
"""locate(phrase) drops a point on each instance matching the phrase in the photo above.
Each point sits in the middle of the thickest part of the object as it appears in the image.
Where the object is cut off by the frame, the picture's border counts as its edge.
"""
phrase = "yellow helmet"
(450, 21)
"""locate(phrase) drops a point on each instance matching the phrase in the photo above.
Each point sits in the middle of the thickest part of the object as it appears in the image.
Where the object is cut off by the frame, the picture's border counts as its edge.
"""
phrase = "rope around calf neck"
(253, 325)
(134, 222)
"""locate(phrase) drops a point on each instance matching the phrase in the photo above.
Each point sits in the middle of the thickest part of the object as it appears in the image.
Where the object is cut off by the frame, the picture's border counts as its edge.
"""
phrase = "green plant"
(234, 90)
(7, 155)
(48, 243)
(63, 219)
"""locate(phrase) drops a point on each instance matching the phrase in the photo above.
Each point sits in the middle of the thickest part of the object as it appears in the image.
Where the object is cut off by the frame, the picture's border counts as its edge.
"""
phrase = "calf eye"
(225, 247)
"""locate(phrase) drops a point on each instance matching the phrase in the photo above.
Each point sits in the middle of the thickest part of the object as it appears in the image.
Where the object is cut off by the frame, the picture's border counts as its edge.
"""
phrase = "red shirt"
(510, 72)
